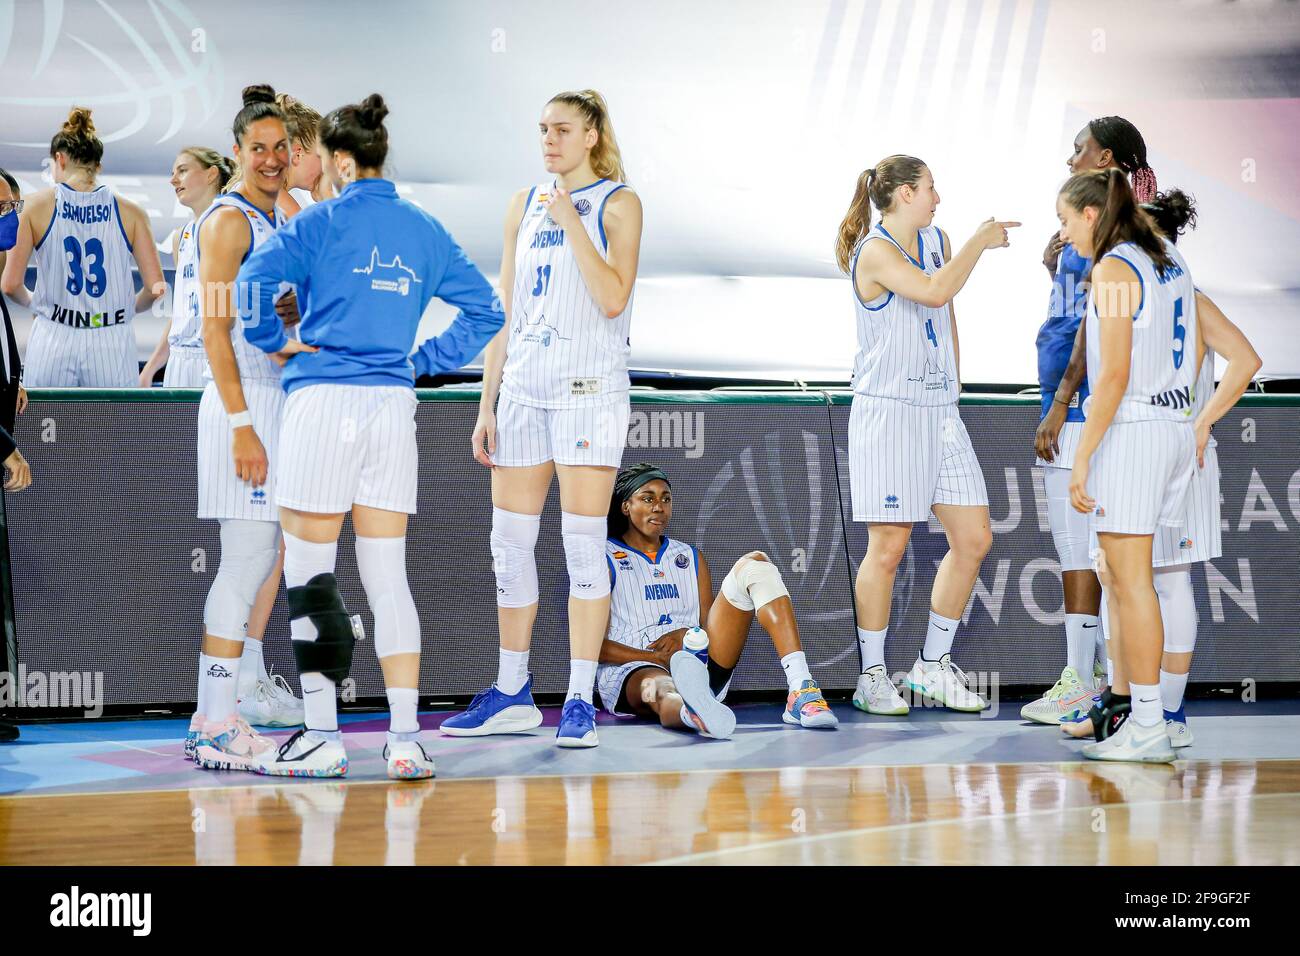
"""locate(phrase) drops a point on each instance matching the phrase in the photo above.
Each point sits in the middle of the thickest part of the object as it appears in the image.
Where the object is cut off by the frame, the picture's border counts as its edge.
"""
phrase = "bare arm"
(1049, 429)
(704, 582)
(37, 209)
(1217, 332)
(609, 276)
(153, 286)
(162, 351)
(881, 266)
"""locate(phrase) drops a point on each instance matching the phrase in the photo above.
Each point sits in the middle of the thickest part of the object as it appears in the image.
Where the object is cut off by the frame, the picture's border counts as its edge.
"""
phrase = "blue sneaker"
(577, 724)
(493, 712)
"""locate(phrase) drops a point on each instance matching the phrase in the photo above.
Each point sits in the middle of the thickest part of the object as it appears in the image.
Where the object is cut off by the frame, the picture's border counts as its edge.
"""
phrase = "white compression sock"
(303, 560)
(251, 666)
(220, 675)
(402, 706)
(1146, 704)
(871, 644)
(1081, 643)
(1172, 688)
(582, 679)
(512, 671)
(201, 704)
(795, 665)
(938, 637)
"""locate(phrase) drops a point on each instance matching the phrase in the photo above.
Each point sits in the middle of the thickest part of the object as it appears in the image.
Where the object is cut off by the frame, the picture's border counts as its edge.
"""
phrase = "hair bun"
(79, 122)
(371, 112)
(258, 93)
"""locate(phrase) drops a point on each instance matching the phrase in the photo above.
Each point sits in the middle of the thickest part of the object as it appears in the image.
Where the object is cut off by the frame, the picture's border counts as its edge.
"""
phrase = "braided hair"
(1129, 149)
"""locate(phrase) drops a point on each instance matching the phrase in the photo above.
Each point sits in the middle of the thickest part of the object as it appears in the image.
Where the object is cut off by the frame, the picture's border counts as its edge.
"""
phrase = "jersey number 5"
(1180, 333)
(543, 280)
(93, 278)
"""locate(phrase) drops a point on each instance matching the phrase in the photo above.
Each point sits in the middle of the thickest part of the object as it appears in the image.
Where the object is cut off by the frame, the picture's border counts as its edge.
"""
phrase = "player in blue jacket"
(365, 266)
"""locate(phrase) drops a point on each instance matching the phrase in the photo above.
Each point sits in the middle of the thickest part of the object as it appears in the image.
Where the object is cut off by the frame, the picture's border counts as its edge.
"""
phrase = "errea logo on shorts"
(388, 276)
(891, 501)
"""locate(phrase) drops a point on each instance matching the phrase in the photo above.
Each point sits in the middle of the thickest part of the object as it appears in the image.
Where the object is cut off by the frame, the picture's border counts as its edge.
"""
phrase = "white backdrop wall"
(743, 126)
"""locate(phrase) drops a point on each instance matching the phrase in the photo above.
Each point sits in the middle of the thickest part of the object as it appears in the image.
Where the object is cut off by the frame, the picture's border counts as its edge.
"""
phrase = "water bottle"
(696, 642)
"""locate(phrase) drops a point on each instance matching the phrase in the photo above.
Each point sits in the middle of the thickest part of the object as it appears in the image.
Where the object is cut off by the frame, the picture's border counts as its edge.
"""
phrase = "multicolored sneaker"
(1064, 696)
(577, 724)
(195, 736)
(701, 709)
(305, 754)
(231, 745)
(1076, 711)
(492, 712)
(945, 683)
(876, 694)
(807, 708)
(407, 760)
(1134, 743)
(1176, 726)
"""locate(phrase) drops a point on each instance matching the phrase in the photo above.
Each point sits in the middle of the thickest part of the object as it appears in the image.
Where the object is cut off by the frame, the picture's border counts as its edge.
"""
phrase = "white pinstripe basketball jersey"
(650, 597)
(904, 348)
(253, 362)
(187, 318)
(83, 264)
(1162, 370)
(563, 350)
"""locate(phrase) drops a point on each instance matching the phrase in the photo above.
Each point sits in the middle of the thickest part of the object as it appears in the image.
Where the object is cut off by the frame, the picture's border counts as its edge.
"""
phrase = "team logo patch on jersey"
(582, 443)
(682, 561)
(891, 501)
(619, 555)
(583, 206)
(1185, 543)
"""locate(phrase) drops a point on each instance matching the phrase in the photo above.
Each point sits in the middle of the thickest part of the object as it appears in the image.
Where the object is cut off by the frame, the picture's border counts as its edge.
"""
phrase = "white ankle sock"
(319, 703)
(512, 671)
(251, 666)
(1081, 643)
(221, 677)
(582, 679)
(1146, 704)
(871, 645)
(402, 704)
(938, 636)
(795, 665)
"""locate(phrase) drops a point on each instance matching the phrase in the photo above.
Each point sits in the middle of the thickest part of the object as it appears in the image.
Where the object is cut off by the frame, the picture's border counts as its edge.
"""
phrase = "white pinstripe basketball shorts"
(185, 368)
(587, 435)
(903, 459)
(62, 357)
(1140, 475)
(221, 493)
(349, 444)
(1200, 536)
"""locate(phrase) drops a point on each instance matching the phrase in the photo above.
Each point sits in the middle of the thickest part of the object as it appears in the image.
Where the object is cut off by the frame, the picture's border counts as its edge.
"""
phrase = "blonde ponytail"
(606, 160)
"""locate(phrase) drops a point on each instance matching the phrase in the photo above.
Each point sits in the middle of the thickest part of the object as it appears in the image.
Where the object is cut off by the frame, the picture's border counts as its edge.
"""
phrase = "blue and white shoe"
(577, 724)
(1176, 726)
(710, 716)
(493, 712)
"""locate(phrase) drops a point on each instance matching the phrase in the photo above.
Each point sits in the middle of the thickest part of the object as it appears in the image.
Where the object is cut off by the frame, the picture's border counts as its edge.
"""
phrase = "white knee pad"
(513, 538)
(751, 583)
(1177, 607)
(248, 553)
(584, 555)
(382, 563)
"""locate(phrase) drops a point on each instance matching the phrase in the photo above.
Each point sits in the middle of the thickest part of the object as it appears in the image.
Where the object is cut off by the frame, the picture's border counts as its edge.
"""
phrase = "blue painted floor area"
(127, 755)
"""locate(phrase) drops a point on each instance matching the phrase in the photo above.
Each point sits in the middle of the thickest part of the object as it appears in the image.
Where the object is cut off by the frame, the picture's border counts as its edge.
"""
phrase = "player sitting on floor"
(661, 588)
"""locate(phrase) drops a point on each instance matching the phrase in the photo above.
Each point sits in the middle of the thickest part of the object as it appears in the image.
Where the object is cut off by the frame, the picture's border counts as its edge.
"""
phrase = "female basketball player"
(239, 427)
(570, 261)
(84, 238)
(199, 176)
(660, 587)
(1200, 537)
(1141, 374)
(1105, 143)
(306, 186)
(909, 453)
(348, 443)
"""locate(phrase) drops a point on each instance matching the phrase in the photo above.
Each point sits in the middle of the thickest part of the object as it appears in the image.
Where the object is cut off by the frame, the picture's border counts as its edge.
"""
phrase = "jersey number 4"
(88, 274)
(929, 333)
(1180, 333)
(543, 280)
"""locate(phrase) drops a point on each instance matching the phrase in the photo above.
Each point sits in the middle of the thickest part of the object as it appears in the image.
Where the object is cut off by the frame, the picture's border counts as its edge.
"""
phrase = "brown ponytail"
(1119, 218)
(77, 139)
(875, 187)
(606, 159)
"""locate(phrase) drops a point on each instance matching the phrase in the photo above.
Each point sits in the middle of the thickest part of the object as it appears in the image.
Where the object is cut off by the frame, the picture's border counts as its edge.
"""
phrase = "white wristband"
(241, 419)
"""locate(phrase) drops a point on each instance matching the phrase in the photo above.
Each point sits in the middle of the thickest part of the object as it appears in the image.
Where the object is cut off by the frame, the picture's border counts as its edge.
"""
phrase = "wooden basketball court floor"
(934, 788)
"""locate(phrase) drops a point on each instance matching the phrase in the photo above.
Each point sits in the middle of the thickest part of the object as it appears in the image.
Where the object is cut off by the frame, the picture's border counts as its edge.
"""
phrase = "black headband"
(626, 484)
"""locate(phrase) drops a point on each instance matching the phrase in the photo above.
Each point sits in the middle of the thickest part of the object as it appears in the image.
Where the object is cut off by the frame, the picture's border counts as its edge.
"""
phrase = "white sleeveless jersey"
(563, 351)
(253, 362)
(302, 197)
(650, 598)
(83, 264)
(905, 349)
(187, 318)
(1162, 370)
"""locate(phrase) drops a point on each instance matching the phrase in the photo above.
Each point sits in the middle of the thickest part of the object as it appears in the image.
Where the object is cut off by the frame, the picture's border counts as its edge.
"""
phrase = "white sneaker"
(1134, 743)
(1179, 734)
(407, 761)
(305, 754)
(876, 694)
(1066, 694)
(944, 682)
(270, 703)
